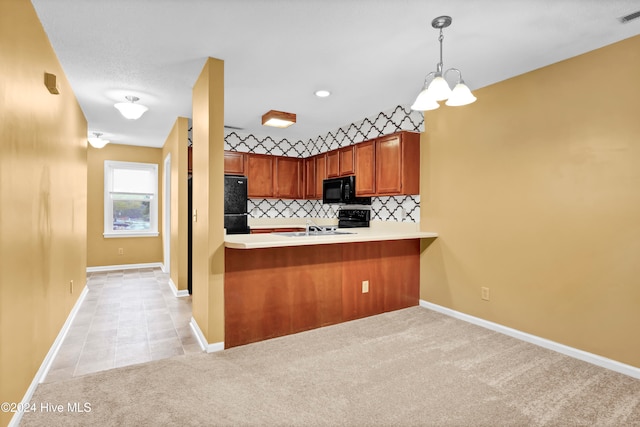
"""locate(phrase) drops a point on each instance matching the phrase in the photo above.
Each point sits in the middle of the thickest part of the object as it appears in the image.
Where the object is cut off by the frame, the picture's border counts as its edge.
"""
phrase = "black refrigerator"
(235, 204)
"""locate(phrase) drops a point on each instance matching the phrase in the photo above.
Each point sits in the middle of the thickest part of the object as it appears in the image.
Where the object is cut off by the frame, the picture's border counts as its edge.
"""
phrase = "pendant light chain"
(440, 64)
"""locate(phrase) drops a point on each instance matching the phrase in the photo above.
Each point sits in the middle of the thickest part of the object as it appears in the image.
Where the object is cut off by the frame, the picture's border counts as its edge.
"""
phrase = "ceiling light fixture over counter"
(96, 141)
(130, 110)
(278, 119)
(438, 89)
(322, 93)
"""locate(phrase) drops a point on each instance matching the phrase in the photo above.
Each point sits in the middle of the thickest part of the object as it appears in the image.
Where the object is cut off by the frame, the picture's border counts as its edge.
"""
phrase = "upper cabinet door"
(333, 164)
(365, 161)
(340, 162)
(398, 164)
(259, 171)
(388, 165)
(321, 173)
(288, 178)
(410, 163)
(347, 161)
(309, 178)
(233, 163)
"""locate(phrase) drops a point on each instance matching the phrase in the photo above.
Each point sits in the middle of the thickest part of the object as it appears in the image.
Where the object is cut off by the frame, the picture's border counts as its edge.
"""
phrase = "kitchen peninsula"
(278, 285)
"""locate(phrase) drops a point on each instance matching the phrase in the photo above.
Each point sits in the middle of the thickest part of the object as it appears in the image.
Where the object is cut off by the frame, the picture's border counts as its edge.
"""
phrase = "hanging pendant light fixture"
(436, 87)
(131, 110)
(96, 141)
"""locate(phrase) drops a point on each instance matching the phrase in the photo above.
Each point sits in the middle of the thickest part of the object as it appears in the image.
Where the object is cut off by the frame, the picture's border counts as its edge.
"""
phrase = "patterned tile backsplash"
(279, 208)
(391, 208)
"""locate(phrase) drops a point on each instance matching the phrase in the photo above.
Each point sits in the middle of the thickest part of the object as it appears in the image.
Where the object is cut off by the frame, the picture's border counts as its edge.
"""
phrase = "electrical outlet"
(484, 293)
(365, 286)
(120, 251)
(71, 286)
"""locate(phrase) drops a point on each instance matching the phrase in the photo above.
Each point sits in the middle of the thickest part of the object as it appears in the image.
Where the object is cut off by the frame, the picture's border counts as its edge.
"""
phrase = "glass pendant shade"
(96, 141)
(461, 95)
(439, 89)
(424, 102)
(130, 110)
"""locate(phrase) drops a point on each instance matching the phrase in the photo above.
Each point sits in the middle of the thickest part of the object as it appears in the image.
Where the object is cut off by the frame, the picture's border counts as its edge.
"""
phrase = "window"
(130, 199)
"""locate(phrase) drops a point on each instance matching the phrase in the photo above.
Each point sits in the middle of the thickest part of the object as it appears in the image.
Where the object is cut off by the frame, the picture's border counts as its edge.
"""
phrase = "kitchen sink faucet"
(311, 223)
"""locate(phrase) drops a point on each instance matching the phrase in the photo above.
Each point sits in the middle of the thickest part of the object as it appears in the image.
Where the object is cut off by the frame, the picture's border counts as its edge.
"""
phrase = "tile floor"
(127, 317)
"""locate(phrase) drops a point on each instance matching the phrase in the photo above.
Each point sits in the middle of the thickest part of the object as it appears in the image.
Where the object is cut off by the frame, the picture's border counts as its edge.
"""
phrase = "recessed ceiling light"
(322, 93)
(278, 119)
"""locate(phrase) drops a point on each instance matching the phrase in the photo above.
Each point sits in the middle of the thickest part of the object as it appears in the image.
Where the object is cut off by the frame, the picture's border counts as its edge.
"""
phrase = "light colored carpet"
(408, 367)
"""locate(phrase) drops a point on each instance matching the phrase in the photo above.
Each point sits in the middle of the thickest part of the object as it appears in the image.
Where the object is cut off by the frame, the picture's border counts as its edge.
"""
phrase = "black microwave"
(342, 190)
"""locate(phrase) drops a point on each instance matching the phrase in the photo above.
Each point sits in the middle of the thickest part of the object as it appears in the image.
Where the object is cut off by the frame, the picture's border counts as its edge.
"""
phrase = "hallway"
(127, 317)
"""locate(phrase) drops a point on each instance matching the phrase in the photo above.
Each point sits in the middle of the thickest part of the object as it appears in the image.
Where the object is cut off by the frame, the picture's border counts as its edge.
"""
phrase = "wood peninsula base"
(271, 292)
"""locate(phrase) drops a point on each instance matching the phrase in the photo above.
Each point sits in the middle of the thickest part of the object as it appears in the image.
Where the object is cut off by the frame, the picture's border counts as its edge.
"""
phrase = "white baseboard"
(125, 267)
(204, 344)
(594, 359)
(176, 292)
(45, 366)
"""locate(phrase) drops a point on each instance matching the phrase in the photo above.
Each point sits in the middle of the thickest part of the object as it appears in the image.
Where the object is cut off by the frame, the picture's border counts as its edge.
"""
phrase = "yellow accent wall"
(208, 200)
(535, 193)
(176, 145)
(43, 199)
(103, 251)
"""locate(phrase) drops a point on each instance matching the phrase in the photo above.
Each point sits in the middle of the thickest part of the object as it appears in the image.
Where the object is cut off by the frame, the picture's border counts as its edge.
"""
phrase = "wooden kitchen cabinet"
(392, 269)
(279, 291)
(259, 172)
(234, 163)
(270, 292)
(340, 162)
(333, 164)
(321, 173)
(385, 166)
(365, 168)
(288, 178)
(309, 178)
(347, 163)
(397, 164)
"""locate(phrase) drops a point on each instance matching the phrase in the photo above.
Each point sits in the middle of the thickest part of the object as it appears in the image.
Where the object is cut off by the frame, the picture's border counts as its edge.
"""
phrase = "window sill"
(131, 234)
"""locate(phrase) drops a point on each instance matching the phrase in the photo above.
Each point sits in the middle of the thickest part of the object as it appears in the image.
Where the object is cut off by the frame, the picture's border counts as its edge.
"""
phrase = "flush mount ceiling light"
(322, 93)
(96, 141)
(278, 119)
(436, 87)
(131, 110)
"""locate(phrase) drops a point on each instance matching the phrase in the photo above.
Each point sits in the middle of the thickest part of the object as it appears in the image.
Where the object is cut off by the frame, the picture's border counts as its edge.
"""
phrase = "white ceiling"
(371, 54)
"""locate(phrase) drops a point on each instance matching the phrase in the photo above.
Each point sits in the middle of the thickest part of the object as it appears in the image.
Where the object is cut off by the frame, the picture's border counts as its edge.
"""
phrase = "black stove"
(352, 218)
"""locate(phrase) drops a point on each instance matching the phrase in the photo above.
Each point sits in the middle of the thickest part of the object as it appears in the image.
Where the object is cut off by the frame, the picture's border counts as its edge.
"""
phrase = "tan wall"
(208, 200)
(176, 145)
(103, 251)
(43, 198)
(535, 192)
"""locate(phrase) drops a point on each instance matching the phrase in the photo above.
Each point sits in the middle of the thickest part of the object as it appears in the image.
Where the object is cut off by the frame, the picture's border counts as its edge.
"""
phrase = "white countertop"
(379, 230)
